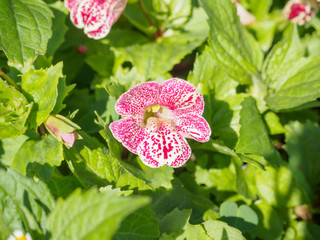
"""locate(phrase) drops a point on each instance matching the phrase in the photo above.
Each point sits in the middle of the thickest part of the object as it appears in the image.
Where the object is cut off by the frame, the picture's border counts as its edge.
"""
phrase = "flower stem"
(9, 80)
(145, 13)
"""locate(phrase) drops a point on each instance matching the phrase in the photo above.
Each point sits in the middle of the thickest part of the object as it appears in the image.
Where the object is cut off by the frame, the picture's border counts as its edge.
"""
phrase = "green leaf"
(32, 201)
(157, 177)
(122, 81)
(265, 32)
(9, 148)
(40, 86)
(98, 214)
(222, 103)
(270, 224)
(63, 91)
(305, 230)
(172, 13)
(195, 29)
(208, 75)
(302, 145)
(150, 63)
(14, 111)
(94, 164)
(59, 27)
(141, 224)
(273, 123)
(297, 81)
(176, 224)
(259, 8)
(193, 232)
(179, 197)
(174, 221)
(242, 218)
(217, 179)
(25, 30)
(215, 146)
(284, 54)
(278, 187)
(62, 186)
(235, 50)
(300, 86)
(45, 151)
(257, 136)
(312, 44)
(135, 15)
(4, 228)
(220, 230)
(102, 63)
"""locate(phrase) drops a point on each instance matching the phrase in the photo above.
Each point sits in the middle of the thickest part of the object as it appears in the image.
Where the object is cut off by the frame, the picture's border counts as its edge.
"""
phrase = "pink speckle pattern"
(71, 3)
(180, 96)
(193, 126)
(157, 134)
(127, 131)
(138, 98)
(96, 17)
(164, 145)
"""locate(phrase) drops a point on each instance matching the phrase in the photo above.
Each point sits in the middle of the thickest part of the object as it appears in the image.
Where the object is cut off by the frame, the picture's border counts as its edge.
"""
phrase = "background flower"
(96, 17)
(300, 11)
(19, 235)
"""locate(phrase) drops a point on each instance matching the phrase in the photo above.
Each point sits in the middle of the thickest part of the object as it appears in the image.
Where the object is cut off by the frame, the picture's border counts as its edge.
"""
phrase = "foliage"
(257, 178)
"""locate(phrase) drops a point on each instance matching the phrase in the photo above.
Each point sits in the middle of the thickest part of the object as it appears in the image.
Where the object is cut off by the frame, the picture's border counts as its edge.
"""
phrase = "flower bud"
(62, 129)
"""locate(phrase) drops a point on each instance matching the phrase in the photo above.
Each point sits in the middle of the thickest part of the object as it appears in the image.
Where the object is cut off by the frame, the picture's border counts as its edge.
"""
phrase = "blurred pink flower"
(158, 119)
(300, 11)
(96, 17)
(246, 18)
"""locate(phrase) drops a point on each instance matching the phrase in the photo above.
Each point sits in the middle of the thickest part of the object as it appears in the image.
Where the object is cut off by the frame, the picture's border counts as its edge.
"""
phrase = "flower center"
(153, 109)
(22, 238)
(158, 112)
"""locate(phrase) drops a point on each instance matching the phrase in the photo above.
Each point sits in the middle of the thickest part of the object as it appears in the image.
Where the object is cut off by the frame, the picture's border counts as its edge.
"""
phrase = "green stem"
(145, 13)
(9, 80)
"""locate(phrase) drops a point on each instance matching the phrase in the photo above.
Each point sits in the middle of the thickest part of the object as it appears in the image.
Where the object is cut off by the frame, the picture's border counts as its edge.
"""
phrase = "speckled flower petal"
(117, 7)
(134, 101)
(95, 16)
(90, 15)
(70, 4)
(163, 145)
(180, 97)
(101, 32)
(128, 132)
(193, 126)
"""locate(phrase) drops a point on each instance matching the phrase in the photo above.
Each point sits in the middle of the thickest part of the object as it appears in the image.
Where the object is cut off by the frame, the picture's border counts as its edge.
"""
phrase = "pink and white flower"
(19, 235)
(96, 17)
(158, 119)
(300, 11)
